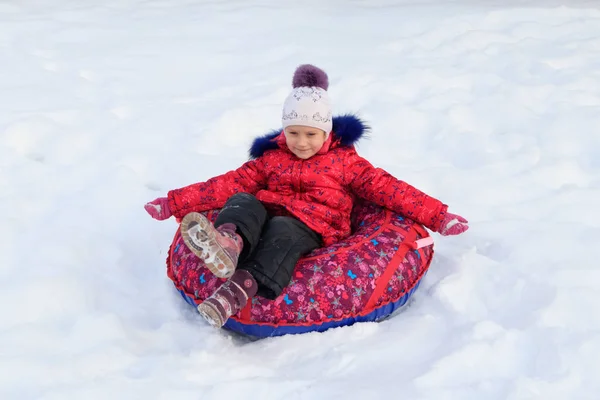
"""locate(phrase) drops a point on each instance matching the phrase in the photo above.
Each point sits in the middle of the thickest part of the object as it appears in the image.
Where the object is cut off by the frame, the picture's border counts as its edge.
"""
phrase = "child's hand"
(159, 208)
(453, 225)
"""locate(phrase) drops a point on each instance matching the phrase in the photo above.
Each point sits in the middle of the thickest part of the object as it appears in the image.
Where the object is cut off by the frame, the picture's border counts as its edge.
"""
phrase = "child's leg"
(248, 215)
(220, 246)
(284, 240)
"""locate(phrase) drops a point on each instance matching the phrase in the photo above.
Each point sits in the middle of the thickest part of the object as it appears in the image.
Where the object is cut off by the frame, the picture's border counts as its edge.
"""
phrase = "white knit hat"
(309, 103)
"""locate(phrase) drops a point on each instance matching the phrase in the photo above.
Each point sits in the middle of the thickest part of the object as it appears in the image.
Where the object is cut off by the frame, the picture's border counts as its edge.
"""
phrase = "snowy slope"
(491, 106)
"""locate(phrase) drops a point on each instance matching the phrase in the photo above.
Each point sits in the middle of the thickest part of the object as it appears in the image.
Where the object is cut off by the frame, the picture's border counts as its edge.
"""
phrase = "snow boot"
(219, 248)
(229, 299)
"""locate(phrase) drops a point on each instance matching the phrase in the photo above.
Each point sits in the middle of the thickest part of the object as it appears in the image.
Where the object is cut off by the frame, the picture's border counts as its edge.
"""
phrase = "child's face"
(304, 141)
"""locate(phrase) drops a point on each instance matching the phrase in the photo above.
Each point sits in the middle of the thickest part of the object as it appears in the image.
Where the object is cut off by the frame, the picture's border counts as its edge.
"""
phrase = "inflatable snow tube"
(364, 278)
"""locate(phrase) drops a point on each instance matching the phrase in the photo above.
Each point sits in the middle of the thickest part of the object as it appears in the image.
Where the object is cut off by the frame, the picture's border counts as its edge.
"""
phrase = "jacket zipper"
(300, 176)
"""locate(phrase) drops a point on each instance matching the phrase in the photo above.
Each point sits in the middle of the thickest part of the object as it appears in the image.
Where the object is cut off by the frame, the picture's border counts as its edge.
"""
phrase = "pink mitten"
(159, 208)
(453, 225)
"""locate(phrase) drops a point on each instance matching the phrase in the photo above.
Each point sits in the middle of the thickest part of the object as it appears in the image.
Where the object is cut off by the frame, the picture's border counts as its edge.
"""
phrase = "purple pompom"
(309, 75)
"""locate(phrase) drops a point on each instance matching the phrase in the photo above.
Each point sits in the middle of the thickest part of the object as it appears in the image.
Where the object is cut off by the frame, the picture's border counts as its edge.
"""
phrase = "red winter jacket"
(318, 191)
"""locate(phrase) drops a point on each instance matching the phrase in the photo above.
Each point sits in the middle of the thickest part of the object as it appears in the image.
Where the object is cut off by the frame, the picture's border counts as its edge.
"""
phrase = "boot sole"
(211, 315)
(206, 246)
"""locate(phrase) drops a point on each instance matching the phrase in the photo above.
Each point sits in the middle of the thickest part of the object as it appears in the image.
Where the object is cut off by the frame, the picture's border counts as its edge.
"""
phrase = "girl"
(295, 195)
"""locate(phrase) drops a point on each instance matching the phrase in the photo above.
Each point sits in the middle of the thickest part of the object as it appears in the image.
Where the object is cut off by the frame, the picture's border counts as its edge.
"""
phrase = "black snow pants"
(272, 245)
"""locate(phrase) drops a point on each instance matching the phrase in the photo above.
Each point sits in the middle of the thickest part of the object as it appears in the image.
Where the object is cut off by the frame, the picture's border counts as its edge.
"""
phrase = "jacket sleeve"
(379, 187)
(213, 193)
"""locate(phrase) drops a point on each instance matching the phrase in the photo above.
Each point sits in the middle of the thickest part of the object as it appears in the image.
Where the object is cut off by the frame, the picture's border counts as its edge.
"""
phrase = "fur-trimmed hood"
(346, 131)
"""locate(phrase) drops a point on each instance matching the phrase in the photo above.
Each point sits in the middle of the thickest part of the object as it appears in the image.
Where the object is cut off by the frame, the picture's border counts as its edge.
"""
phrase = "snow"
(491, 106)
